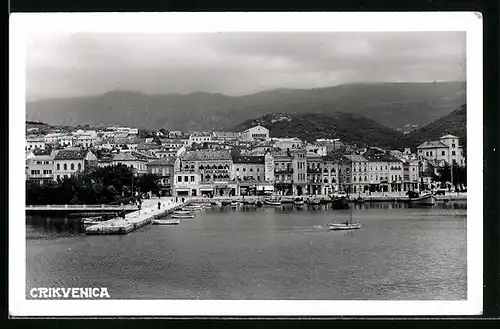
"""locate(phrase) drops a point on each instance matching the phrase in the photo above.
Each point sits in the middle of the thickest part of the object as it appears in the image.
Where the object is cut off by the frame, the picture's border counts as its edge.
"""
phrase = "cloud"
(69, 65)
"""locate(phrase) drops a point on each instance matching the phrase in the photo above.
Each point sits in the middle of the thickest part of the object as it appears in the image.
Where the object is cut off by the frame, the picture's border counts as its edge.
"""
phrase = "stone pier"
(136, 219)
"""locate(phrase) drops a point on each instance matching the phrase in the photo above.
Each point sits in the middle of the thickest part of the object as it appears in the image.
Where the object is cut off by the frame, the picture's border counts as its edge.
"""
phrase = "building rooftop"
(124, 157)
(255, 159)
(70, 155)
(162, 162)
(355, 158)
(206, 155)
(431, 144)
(448, 136)
(376, 155)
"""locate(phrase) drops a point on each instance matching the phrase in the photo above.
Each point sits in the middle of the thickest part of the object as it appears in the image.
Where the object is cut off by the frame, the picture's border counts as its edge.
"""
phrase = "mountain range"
(357, 129)
(393, 105)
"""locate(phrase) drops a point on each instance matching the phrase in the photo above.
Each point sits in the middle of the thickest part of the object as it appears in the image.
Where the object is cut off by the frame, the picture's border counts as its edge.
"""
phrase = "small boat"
(216, 203)
(298, 201)
(192, 207)
(339, 227)
(174, 221)
(235, 204)
(183, 214)
(347, 225)
(340, 203)
(259, 203)
(314, 201)
(359, 199)
(91, 220)
(273, 201)
(425, 200)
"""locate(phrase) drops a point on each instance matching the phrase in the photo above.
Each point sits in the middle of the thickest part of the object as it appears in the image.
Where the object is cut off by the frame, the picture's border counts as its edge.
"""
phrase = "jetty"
(136, 219)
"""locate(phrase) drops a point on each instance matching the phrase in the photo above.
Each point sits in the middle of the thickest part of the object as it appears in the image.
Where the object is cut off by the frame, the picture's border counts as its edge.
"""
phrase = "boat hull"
(165, 221)
(182, 216)
(273, 203)
(344, 227)
(340, 203)
(426, 200)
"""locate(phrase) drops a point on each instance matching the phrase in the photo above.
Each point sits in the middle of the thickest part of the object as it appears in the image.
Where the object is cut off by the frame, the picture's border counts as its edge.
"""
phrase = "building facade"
(257, 133)
(69, 162)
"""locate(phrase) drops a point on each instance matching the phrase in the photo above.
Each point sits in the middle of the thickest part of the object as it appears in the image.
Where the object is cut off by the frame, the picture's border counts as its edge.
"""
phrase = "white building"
(447, 148)
(288, 144)
(70, 162)
(138, 164)
(199, 138)
(255, 133)
(40, 166)
(34, 142)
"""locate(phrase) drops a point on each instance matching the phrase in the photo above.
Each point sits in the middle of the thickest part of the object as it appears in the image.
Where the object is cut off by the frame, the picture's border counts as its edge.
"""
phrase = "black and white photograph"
(262, 164)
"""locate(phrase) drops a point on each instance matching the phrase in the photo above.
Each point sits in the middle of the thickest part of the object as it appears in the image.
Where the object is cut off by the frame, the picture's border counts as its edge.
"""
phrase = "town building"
(287, 144)
(283, 172)
(70, 162)
(137, 163)
(34, 142)
(359, 173)
(411, 176)
(225, 137)
(65, 140)
(164, 168)
(447, 148)
(314, 173)
(199, 138)
(249, 174)
(204, 172)
(257, 133)
(385, 171)
(40, 165)
(332, 164)
(84, 138)
(318, 149)
(174, 134)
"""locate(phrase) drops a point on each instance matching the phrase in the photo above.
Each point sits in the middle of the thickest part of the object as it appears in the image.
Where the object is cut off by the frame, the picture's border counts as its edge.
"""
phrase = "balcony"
(283, 170)
(314, 170)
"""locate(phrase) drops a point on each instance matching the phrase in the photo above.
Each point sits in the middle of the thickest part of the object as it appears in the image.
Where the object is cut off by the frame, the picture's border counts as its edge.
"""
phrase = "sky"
(234, 63)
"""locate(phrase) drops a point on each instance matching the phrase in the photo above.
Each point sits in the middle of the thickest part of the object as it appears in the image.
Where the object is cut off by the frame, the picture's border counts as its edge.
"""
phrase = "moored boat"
(273, 201)
(314, 201)
(235, 204)
(340, 203)
(192, 208)
(183, 214)
(298, 201)
(259, 203)
(91, 220)
(216, 203)
(173, 221)
(425, 200)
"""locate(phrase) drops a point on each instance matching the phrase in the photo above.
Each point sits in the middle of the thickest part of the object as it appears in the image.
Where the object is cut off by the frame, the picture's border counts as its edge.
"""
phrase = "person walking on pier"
(159, 204)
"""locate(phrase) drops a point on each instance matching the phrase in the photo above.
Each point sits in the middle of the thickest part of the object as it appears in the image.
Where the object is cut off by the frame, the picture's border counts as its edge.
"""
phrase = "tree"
(148, 182)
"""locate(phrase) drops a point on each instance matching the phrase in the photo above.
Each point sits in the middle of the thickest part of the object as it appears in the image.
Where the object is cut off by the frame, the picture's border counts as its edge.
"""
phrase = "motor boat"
(427, 199)
(235, 204)
(314, 201)
(216, 203)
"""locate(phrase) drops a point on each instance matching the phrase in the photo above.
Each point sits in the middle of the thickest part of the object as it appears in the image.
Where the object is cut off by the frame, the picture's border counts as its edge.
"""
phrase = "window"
(442, 153)
(58, 177)
(65, 166)
(431, 153)
(186, 178)
(32, 172)
(251, 169)
(72, 166)
(453, 153)
(192, 178)
(179, 178)
(453, 145)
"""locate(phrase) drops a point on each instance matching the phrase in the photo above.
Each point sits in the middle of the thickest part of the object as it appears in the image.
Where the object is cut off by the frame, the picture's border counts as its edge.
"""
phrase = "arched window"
(72, 166)
(65, 166)
(220, 167)
(58, 166)
(354, 178)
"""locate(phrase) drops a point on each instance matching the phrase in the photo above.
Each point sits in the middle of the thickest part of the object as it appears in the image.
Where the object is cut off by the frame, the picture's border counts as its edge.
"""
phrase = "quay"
(78, 208)
(136, 219)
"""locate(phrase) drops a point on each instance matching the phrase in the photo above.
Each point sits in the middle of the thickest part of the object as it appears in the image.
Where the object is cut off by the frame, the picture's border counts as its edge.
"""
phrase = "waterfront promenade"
(136, 219)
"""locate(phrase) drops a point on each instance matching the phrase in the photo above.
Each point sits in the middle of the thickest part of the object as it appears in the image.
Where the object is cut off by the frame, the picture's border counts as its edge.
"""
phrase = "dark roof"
(37, 151)
(167, 161)
(249, 159)
(206, 155)
(337, 157)
(376, 155)
(70, 155)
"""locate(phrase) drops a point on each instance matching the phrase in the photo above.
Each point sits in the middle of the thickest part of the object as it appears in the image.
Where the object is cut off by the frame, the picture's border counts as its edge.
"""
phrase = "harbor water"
(279, 252)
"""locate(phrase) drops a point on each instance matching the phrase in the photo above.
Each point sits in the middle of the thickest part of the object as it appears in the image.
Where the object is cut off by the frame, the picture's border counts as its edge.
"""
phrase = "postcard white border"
(22, 24)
